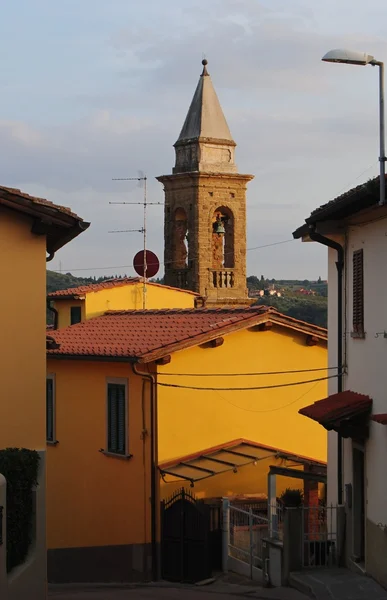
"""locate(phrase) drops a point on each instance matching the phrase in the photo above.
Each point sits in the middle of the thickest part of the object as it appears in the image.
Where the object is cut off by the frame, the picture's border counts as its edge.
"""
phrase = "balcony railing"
(222, 278)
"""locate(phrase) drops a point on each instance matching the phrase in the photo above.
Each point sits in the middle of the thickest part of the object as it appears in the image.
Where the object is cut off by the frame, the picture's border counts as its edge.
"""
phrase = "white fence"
(243, 534)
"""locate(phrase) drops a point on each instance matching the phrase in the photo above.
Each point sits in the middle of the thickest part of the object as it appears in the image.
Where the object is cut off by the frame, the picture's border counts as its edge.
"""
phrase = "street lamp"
(350, 57)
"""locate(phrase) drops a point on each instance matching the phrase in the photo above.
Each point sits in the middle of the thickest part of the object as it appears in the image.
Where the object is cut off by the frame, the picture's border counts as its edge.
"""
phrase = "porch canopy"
(227, 457)
(346, 412)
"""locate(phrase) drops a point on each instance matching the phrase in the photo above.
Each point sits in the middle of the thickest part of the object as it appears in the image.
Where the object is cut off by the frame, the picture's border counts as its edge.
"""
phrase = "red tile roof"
(58, 223)
(364, 196)
(337, 407)
(150, 334)
(380, 418)
(75, 292)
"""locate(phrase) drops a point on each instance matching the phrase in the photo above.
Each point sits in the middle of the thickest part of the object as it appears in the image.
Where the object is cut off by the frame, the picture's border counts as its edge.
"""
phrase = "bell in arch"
(219, 226)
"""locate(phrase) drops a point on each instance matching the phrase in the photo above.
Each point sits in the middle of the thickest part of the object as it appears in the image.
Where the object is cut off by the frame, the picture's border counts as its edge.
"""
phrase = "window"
(75, 315)
(116, 417)
(358, 293)
(50, 409)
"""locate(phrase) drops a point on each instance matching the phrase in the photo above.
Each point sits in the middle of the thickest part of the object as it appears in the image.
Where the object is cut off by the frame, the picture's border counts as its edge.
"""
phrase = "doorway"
(358, 517)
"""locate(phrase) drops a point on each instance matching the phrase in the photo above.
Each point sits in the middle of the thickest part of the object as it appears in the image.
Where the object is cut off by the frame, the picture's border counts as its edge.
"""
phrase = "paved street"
(223, 592)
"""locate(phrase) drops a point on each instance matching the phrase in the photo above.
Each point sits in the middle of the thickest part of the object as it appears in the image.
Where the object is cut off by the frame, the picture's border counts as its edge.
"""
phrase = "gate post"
(225, 532)
(251, 539)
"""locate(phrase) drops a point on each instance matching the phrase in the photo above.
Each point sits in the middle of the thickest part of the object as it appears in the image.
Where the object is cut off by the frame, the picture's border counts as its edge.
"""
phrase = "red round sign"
(152, 263)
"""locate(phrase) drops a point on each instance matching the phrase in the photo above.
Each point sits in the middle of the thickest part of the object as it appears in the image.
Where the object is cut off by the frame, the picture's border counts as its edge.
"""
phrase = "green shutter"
(116, 418)
(50, 410)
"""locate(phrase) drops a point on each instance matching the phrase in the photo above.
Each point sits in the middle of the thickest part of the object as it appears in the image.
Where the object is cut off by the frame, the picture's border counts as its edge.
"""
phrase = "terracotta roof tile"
(106, 285)
(380, 418)
(364, 196)
(337, 407)
(38, 201)
(149, 334)
(58, 223)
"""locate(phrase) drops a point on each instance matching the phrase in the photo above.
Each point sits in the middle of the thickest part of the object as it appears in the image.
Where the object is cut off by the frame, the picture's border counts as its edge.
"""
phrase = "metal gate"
(185, 547)
(319, 543)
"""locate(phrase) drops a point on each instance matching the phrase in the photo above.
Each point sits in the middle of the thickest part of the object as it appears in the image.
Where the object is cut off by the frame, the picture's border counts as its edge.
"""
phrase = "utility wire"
(193, 260)
(242, 389)
(247, 374)
(269, 410)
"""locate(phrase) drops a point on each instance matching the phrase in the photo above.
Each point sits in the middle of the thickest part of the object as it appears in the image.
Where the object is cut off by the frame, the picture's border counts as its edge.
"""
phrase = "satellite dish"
(152, 263)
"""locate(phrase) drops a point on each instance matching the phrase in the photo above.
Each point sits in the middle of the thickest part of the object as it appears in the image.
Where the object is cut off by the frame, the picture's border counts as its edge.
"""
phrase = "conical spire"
(205, 142)
(205, 118)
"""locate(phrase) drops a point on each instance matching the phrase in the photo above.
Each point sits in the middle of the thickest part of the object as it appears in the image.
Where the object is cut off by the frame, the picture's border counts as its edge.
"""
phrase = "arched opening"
(223, 238)
(180, 245)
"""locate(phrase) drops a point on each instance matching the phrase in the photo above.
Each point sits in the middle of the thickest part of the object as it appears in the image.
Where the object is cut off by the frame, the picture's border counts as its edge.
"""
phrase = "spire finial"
(204, 63)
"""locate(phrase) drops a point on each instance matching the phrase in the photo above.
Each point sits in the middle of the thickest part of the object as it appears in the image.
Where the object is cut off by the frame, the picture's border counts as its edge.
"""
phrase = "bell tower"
(205, 206)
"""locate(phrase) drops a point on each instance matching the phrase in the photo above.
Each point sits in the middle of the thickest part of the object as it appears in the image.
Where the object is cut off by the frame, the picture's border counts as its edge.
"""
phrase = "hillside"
(301, 299)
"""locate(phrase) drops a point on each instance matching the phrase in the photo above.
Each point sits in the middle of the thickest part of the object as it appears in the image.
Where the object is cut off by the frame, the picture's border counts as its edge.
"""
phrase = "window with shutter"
(358, 293)
(116, 413)
(50, 429)
(75, 315)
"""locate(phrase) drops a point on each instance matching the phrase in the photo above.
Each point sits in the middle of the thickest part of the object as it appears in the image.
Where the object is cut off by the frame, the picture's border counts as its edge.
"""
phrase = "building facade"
(353, 227)
(30, 229)
(74, 305)
(205, 206)
(122, 388)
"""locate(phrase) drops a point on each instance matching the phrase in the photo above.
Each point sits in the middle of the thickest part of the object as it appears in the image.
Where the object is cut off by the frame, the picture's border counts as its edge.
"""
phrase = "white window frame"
(120, 381)
(52, 377)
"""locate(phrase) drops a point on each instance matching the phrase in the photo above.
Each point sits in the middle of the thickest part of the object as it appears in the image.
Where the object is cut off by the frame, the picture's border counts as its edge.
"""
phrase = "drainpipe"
(54, 311)
(317, 237)
(153, 465)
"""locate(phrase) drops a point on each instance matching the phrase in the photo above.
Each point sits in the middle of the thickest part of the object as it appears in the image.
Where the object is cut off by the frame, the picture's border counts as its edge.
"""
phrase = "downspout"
(54, 311)
(153, 465)
(317, 237)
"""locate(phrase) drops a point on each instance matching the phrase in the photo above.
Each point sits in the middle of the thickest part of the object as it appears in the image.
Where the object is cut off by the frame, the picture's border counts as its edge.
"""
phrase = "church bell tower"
(205, 206)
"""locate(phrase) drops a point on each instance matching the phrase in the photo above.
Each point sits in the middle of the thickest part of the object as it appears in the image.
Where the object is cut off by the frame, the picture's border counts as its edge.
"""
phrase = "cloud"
(116, 85)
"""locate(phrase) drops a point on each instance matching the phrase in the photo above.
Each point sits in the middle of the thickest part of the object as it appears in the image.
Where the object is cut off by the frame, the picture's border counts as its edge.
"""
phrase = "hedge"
(20, 468)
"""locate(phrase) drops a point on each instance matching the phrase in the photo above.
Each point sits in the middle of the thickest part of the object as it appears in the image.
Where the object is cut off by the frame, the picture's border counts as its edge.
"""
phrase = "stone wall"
(200, 195)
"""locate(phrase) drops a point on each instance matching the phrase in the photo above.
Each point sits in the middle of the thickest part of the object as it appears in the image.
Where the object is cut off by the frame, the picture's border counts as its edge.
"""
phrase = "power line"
(243, 389)
(247, 374)
(252, 410)
(170, 262)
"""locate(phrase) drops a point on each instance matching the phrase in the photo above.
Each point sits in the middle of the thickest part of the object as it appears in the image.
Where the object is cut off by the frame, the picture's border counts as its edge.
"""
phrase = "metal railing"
(246, 532)
(276, 520)
(319, 546)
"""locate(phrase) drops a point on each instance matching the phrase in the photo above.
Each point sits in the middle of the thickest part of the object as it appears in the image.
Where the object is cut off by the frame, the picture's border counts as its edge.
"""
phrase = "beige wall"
(22, 339)
(23, 375)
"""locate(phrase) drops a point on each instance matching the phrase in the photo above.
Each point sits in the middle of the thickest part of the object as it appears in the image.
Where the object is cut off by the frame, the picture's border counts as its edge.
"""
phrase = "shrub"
(292, 498)
(20, 468)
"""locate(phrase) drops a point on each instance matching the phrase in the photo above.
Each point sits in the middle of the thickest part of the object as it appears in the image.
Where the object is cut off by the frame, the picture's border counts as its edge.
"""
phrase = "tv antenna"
(142, 179)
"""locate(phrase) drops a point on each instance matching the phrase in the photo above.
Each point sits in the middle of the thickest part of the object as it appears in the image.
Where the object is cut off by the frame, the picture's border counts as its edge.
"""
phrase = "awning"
(380, 418)
(227, 457)
(346, 413)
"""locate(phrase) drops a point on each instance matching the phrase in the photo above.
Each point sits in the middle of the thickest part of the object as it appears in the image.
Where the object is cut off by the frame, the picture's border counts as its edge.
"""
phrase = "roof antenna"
(142, 179)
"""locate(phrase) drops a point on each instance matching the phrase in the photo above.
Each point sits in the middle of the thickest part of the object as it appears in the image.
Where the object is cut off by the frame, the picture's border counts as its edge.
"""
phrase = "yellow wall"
(64, 311)
(22, 337)
(93, 499)
(192, 420)
(125, 297)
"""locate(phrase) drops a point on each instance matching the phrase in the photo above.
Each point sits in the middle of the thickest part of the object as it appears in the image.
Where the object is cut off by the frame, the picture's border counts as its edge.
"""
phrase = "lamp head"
(348, 57)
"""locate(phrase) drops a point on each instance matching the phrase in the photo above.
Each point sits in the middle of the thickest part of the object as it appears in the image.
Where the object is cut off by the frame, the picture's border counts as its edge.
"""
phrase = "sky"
(95, 90)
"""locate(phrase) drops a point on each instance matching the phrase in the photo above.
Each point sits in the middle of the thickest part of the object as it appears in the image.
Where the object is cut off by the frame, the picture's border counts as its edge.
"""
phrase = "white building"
(354, 228)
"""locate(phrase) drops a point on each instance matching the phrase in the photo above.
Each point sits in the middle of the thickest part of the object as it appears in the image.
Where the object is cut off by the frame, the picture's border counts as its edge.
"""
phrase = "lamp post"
(350, 57)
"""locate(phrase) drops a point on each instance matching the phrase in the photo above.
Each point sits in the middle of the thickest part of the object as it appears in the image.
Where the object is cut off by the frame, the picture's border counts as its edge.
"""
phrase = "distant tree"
(319, 280)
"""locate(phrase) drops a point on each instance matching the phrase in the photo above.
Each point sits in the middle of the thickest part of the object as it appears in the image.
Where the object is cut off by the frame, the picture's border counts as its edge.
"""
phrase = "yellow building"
(75, 305)
(30, 228)
(133, 388)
